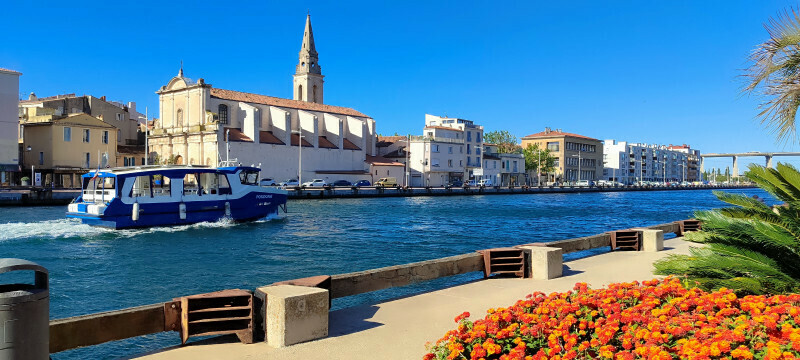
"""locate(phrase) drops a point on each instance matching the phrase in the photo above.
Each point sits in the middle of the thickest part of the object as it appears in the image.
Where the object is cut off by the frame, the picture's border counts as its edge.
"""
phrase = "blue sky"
(664, 72)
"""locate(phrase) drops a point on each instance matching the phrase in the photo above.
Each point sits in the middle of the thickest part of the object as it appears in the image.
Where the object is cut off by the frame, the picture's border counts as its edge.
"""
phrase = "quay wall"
(37, 196)
(98, 328)
(373, 192)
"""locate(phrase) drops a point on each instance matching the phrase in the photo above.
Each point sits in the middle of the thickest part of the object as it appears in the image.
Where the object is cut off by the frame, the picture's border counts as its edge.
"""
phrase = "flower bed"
(657, 319)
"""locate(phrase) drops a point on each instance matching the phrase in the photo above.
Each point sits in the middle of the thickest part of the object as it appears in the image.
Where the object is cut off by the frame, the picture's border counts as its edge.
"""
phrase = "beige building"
(64, 147)
(196, 119)
(503, 169)
(578, 157)
(9, 147)
(124, 117)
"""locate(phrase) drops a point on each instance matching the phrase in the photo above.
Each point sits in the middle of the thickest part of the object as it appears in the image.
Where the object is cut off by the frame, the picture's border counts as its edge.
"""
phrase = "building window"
(125, 161)
(119, 117)
(223, 113)
(314, 93)
(119, 135)
(450, 150)
(450, 163)
(179, 118)
(86, 135)
(435, 148)
(477, 150)
(41, 158)
(469, 150)
(478, 137)
(300, 97)
(552, 146)
(460, 162)
(469, 138)
(67, 134)
(88, 159)
(105, 137)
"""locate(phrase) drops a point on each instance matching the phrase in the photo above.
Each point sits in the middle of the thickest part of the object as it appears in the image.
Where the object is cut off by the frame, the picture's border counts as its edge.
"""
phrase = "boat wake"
(73, 228)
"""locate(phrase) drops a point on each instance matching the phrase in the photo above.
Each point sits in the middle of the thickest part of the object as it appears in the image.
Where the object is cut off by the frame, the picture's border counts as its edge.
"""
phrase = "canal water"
(93, 269)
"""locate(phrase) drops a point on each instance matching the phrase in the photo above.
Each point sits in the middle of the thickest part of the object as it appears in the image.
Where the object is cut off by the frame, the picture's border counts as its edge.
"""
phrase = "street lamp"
(299, 156)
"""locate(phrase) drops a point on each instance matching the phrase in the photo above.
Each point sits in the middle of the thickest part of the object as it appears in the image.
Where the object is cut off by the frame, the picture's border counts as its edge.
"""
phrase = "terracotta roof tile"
(348, 145)
(236, 135)
(381, 161)
(384, 141)
(305, 142)
(544, 134)
(266, 137)
(326, 144)
(130, 149)
(275, 101)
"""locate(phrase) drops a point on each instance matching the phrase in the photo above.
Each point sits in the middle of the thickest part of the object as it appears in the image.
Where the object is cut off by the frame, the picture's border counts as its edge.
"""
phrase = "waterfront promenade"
(399, 329)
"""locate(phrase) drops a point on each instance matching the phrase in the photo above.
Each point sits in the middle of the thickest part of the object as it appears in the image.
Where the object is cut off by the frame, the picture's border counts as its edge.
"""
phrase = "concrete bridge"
(767, 156)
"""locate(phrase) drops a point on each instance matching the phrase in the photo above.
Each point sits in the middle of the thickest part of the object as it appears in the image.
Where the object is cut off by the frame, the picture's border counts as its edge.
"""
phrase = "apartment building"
(437, 158)
(63, 147)
(473, 139)
(503, 169)
(9, 147)
(631, 163)
(578, 157)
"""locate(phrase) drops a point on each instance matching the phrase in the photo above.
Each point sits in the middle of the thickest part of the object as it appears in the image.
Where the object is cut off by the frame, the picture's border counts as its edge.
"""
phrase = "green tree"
(505, 141)
(751, 248)
(538, 160)
(774, 73)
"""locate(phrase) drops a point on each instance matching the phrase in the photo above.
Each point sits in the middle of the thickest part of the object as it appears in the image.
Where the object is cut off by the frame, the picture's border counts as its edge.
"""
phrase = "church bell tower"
(308, 75)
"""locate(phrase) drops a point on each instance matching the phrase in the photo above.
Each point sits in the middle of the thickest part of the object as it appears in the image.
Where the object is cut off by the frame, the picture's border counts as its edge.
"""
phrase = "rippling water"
(94, 269)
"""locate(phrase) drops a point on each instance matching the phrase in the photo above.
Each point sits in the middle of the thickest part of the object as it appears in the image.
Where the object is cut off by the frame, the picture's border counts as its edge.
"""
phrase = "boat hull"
(119, 216)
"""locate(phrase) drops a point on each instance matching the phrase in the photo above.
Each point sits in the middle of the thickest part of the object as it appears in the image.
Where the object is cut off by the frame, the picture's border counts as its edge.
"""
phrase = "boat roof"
(180, 170)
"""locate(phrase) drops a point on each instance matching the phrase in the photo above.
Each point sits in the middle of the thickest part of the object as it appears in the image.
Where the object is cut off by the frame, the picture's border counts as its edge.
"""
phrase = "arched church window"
(314, 90)
(179, 118)
(223, 113)
(300, 93)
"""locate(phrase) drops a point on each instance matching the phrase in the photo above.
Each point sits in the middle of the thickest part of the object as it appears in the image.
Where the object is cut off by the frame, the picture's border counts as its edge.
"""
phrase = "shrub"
(658, 319)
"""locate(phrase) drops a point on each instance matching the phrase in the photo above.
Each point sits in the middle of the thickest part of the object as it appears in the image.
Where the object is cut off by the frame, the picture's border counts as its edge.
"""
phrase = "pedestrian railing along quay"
(280, 301)
(400, 191)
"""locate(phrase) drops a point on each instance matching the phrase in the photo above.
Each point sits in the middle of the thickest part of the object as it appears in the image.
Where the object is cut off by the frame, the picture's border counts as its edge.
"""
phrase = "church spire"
(308, 74)
(307, 63)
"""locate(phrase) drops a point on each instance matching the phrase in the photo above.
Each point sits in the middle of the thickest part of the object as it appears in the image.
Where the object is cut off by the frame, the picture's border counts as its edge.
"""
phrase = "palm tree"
(751, 248)
(774, 72)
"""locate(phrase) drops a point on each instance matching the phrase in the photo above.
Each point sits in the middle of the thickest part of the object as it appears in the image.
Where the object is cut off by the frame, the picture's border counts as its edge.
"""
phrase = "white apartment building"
(9, 121)
(630, 163)
(449, 150)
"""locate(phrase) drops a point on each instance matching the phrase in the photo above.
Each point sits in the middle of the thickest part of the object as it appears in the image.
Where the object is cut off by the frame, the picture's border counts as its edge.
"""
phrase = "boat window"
(248, 177)
(209, 183)
(190, 185)
(141, 187)
(224, 186)
(161, 185)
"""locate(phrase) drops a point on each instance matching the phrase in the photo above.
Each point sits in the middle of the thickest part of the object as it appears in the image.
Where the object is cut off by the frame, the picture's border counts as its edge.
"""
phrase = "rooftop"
(9, 71)
(275, 101)
(556, 133)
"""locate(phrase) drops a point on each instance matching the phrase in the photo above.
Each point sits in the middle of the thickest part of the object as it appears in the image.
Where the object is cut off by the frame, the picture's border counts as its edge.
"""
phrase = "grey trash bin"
(24, 314)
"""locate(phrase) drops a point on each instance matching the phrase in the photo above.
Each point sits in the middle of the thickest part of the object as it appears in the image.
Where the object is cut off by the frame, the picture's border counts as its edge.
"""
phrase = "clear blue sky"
(642, 71)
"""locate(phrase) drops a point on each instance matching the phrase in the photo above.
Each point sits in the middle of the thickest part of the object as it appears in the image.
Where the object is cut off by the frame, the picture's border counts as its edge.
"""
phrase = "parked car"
(361, 183)
(315, 183)
(342, 183)
(290, 182)
(584, 183)
(268, 182)
(386, 182)
(455, 183)
(473, 183)
(485, 182)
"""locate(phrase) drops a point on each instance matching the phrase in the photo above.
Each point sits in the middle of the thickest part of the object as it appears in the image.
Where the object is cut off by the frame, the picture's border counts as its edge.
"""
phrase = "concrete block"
(294, 314)
(652, 240)
(545, 262)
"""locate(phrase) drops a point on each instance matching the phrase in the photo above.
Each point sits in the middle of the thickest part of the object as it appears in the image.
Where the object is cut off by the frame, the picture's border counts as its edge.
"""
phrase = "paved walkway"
(400, 328)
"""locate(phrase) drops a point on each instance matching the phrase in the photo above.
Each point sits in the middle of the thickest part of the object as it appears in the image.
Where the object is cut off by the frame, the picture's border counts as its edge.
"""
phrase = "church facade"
(203, 125)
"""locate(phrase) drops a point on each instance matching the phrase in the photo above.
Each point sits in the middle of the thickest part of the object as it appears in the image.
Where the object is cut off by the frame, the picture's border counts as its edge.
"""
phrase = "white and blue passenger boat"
(163, 195)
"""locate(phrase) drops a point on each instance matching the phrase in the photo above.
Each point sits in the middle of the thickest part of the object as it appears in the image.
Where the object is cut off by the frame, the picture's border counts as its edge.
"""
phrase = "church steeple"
(308, 74)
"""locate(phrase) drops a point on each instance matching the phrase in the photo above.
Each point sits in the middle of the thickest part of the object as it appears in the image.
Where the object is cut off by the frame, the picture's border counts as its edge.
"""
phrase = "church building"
(198, 123)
